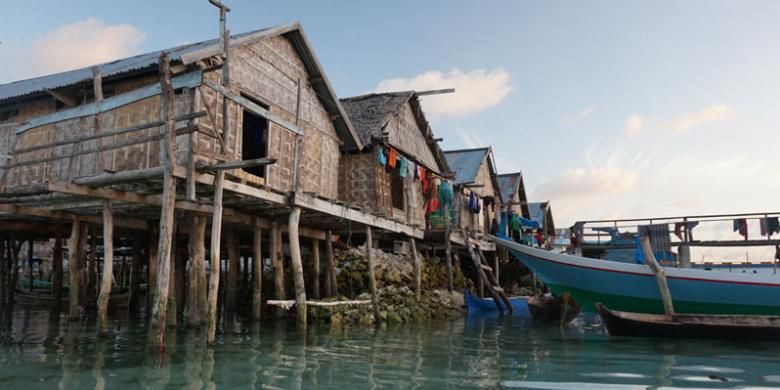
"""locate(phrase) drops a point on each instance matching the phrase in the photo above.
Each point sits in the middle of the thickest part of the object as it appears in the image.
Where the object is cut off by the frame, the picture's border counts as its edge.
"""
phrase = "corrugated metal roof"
(508, 184)
(108, 69)
(465, 163)
(194, 52)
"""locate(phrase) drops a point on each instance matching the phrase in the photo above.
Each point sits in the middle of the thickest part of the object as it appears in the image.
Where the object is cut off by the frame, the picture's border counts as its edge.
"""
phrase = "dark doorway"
(255, 140)
(397, 190)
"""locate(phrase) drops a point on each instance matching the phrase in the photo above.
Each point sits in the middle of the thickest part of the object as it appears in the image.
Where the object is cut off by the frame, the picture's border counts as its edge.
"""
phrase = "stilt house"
(542, 213)
(512, 188)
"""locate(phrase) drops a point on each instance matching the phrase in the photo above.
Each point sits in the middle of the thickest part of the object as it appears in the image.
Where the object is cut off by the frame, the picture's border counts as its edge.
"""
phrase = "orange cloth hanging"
(391, 159)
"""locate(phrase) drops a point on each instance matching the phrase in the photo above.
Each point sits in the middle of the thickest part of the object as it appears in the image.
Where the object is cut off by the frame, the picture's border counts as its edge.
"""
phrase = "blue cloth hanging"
(382, 158)
(446, 194)
(403, 167)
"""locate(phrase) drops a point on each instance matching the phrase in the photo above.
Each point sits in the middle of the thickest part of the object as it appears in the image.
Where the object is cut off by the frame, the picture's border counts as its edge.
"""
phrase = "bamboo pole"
(196, 298)
(297, 266)
(660, 276)
(57, 268)
(234, 265)
(257, 270)
(315, 254)
(108, 267)
(167, 160)
(74, 270)
(416, 261)
(371, 276)
(332, 285)
(216, 235)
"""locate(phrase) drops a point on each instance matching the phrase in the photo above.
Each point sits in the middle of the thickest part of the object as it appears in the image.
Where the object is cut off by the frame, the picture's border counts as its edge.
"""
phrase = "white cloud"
(475, 90)
(578, 116)
(588, 183)
(637, 124)
(82, 43)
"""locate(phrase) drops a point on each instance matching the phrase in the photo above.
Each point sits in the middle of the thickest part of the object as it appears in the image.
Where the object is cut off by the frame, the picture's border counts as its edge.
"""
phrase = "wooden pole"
(332, 285)
(234, 264)
(371, 276)
(216, 236)
(660, 276)
(171, 319)
(297, 266)
(74, 271)
(5, 259)
(92, 272)
(196, 298)
(276, 262)
(315, 254)
(135, 277)
(167, 160)
(447, 247)
(30, 260)
(257, 270)
(57, 268)
(416, 261)
(108, 267)
(151, 278)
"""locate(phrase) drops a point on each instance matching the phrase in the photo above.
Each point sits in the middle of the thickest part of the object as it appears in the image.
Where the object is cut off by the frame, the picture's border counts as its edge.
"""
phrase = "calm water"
(467, 352)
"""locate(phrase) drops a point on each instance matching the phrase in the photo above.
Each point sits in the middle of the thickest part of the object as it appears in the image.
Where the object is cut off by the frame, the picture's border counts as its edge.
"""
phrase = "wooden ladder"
(486, 274)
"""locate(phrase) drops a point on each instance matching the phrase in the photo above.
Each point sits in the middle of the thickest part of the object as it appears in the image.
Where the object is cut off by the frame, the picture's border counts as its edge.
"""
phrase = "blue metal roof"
(465, 163)
(508, 184)
(538, 211)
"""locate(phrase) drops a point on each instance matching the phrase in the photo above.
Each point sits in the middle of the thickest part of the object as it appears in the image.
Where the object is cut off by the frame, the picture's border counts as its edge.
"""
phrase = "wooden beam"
(239, 164)
(252, 107)
(188, 80)
(130, 223)
(109, 178)
(63, 98)
(435, 92)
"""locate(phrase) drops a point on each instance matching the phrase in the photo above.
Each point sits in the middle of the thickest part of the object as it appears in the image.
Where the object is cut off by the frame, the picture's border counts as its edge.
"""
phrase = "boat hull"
(690, 326)
(633, 288)
(486, 305)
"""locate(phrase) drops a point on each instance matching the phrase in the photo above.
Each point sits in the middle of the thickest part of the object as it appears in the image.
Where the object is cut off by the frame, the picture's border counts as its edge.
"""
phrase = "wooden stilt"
(276, 262)
(13, 278)
(123, 273)
(135, 277)
(297, 266)
(216, 237)
(660, 276)
(416, 261)
(196, 298)
(30, 260)
(74, 270)
(496, 268)
(447, 247)
(167, 160)
(175, 284)
(234, 265)
(333, 284)
(257, 271)
(371, 276)
(151, 270)
(315, 254)
(92, 272)
(5, 259)
(57, 268)
(108, 267)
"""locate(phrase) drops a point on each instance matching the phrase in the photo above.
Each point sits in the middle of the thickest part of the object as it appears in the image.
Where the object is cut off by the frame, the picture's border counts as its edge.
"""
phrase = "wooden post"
(108, 267)
(216, 236)
(495, 267)
(196, 298)
(371, 276)
(57, 268)
(257, 270)
(660, 276)
(30, 261)
(167, 160)
(333, 284)
(135, 277)
(234, 265)
(5, 259)
(447, 246)
(151, 269)
(172, 317)
(74, 271)
(92, 272)
(297, 266)
(416, 260)
(276, 262)
(315, 254)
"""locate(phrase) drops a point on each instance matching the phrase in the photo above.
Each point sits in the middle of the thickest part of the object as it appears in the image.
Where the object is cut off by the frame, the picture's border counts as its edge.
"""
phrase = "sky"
(611, 109)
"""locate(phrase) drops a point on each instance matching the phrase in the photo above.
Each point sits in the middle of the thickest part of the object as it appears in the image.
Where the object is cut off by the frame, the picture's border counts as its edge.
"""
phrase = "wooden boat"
(708, 326)
(551, 309)
(119, 298)
(633, 287)
(486, 305)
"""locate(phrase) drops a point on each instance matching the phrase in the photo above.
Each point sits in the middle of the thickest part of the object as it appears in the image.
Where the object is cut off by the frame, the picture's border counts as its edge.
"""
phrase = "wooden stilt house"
(542, 213)
(512, 188)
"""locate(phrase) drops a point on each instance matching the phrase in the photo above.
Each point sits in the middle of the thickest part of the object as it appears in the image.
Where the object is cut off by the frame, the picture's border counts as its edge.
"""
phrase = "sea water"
(468, 352)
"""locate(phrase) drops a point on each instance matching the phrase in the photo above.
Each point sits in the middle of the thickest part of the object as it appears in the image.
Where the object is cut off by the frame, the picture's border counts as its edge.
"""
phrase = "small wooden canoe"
(557, 310)
(119, 298)
(694, 326)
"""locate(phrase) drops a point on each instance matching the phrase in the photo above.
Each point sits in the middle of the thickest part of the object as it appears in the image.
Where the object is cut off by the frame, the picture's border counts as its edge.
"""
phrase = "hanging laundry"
(446, 194)
(432, 205)
(403, 167)
(494, 227)
(489, 201)
(391, 158)
(740, 225)
(474, 206)
(416, 172)
(770, 226)
(382, 157)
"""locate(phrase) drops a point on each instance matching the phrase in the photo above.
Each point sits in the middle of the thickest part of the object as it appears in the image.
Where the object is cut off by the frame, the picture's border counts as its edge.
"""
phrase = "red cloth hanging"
(391, 160)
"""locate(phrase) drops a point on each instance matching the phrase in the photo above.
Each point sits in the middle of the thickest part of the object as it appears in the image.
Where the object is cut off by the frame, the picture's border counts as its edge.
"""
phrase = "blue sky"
(610, 108)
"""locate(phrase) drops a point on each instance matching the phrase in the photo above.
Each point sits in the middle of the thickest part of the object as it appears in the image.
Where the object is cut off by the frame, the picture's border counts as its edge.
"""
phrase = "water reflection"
(44, 352)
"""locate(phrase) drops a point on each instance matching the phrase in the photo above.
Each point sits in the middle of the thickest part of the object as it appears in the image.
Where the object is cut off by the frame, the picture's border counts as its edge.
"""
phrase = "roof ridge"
(468, 150)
